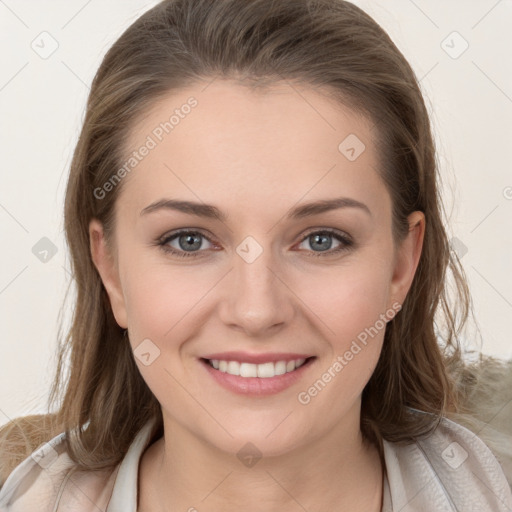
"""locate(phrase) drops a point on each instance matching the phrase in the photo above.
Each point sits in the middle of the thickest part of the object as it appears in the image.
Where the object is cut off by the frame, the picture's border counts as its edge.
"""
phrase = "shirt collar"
(124, 494)
(417, 477)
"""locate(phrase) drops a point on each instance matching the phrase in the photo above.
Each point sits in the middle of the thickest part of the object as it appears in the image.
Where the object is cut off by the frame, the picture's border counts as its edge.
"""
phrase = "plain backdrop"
(460, 50)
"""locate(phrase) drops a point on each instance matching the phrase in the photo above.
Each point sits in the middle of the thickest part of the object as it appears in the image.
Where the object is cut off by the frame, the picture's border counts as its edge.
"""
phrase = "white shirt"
(450, 471)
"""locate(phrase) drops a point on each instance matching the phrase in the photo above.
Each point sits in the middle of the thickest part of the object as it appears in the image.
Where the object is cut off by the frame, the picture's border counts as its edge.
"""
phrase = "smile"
(257, 378)
(263, 371)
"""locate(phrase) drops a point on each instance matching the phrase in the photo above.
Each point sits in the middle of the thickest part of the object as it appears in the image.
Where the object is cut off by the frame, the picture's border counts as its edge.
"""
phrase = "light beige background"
(42, 102)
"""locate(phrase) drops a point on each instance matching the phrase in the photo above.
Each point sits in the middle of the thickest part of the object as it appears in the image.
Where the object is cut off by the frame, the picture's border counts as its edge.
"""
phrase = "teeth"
(263, 371)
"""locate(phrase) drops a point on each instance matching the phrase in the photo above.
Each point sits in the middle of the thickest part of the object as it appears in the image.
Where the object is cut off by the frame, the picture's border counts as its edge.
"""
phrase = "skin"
(255, 156)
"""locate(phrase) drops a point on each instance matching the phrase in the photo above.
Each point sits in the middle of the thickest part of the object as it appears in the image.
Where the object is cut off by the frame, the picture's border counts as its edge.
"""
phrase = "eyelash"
(346, 241)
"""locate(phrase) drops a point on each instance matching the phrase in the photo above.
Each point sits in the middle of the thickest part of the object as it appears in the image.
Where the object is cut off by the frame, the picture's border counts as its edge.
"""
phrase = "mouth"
(262, 370)
(257, 379)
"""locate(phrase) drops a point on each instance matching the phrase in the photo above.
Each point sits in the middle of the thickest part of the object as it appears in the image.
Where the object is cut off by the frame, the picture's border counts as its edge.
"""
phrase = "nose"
(257, 299)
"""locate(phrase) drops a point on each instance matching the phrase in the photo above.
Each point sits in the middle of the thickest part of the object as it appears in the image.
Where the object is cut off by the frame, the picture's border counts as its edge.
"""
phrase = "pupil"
(191, 240)
(319, 237)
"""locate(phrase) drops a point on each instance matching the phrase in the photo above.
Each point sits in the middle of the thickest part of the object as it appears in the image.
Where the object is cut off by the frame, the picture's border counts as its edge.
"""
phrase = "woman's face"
(257, 276)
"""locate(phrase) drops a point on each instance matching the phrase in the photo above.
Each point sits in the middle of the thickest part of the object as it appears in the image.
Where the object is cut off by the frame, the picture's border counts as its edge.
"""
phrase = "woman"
(259, 252)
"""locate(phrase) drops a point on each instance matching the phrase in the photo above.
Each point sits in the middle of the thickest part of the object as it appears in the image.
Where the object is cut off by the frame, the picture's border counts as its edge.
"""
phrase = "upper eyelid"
(174, 234)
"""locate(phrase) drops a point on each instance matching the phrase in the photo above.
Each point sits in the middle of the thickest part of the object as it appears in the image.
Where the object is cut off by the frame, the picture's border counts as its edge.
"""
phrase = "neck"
(338, 471)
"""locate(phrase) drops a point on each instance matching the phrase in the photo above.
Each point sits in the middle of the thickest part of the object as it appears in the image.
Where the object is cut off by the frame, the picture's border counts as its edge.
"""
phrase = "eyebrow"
(212, 212)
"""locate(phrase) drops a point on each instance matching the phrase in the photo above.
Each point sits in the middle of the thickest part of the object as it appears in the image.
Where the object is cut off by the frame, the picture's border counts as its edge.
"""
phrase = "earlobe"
(408, 257)
(107, 269)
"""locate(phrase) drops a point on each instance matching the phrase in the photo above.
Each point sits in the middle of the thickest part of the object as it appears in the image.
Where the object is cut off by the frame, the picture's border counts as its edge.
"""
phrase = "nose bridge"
(258, 299)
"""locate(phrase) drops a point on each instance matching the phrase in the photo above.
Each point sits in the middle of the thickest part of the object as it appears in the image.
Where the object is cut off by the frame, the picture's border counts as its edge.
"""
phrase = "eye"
(188, 243)
(322, 240)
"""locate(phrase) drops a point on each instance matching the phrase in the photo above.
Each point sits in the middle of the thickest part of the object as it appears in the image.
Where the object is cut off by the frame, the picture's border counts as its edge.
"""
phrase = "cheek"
(348, 299)
(352, 304)
(345, 299)
(160, 303)
(158, 297)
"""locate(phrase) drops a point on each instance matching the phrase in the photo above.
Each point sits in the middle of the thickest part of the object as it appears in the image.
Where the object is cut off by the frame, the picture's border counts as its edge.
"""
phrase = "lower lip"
(256, 386)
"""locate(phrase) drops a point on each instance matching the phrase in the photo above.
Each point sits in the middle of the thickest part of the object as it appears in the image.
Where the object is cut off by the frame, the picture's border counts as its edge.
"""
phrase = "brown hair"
(331, 45)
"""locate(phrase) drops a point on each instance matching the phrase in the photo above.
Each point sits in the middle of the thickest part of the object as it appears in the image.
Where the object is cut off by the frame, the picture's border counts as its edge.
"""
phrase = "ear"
(106, 265)
(407, 257)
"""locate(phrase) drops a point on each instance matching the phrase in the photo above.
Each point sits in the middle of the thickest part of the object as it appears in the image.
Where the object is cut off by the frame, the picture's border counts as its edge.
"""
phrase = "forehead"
(214, 142)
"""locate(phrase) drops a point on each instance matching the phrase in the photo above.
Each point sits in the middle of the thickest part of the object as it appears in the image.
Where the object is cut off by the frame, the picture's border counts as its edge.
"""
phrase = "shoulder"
(48, 477)
(486, 390)
(20, 437)
(450, 469)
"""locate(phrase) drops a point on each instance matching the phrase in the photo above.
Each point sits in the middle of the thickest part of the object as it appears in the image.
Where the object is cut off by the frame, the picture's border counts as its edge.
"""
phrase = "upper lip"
(245, 357)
